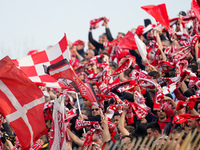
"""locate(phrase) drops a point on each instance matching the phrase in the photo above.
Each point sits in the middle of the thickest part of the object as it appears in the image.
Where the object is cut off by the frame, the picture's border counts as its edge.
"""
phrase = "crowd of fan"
(102, 59)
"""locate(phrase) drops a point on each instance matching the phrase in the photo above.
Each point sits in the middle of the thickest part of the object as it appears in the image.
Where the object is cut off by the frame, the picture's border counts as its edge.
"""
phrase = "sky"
(35, 24)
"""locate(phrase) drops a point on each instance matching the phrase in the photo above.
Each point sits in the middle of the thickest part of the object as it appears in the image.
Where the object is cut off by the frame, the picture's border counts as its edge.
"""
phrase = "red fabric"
(22, 109)
(128, 41)
(80, 124)
(166, 66)
(196, 9)
(178, 95)
(157, 100)
(112, 134)
(36, 146)
(180, 105)
(88, 139)
(163, 124)
(130, 116)
(190, 101)
(139, 111)
(64, 70)
(131, 86)
(102, 97)
(111, 126)
(113, 86)
(71, 114)
(139, 30)
(183, 118)
(159, 12)
(32, 65)
(125, 65)
(95, 22)
(78, 42)
(32, 52)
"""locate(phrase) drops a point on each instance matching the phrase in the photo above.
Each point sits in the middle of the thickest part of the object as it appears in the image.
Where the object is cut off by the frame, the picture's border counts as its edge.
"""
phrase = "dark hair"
(183, 13)
(178, 130)
(154, 74)
(162, 37)
(88, 111)
(113, 64)
(127, 72)
(105, 53)
(121, 33)
(154, 126)
(129, 136)
(169, 95)
(152, 93)
(141, 130)
(116, 113)
(194, 68)
(130, 129)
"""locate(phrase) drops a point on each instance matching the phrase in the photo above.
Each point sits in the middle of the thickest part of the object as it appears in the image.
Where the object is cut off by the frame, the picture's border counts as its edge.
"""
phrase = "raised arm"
(122, 121)
(108, 33)
(75, 138)
(105, 132)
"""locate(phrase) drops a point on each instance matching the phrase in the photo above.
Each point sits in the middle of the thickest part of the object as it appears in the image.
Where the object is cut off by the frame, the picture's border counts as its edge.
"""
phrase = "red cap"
(78, 42)
(139, 30)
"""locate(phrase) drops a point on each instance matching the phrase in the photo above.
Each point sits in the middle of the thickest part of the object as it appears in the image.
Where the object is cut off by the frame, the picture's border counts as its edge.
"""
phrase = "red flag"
(32, 65)
(21, 103)
(65, 73)
(128, 41)
(183, 118)
(139, 111)
(159, 12)
(196, 9)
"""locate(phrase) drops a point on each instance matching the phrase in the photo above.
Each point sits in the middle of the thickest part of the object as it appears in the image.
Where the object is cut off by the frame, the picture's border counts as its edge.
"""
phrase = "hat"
(78, 42)
(147, 22)
(182, 13)
(148, 28)
(139, 30)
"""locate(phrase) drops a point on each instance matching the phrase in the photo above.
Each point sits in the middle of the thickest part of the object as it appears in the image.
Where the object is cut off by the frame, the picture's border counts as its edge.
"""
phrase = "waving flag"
(65, 73)
(21, 103)
(128, 41)
(195, 7)
(58, 134)
(159, 12)
(32, 65)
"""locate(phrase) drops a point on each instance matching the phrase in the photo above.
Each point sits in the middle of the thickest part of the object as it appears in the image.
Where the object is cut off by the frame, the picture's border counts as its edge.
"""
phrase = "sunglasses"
(95, 109)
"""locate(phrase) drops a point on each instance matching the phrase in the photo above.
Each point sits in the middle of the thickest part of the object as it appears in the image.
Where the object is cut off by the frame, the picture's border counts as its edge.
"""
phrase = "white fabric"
(141, 47)
(58, 106)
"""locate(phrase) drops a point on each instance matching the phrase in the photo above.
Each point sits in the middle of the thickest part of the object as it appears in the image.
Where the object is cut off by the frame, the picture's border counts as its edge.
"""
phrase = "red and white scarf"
(80, 124)
(95, 22)
(124, 66)
(139, 111)
(183, 118)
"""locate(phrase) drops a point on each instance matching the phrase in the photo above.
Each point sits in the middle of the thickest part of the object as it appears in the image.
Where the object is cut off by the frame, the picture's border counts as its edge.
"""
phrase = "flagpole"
(79, 108)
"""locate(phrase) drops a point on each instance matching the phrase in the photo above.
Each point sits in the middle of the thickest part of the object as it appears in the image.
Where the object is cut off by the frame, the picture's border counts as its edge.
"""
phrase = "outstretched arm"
(75, 138)
(105, 132)
(122, 121)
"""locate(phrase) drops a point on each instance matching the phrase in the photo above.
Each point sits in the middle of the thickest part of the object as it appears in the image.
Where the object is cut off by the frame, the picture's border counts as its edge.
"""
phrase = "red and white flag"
(65, 73)
(58, 134)
(32, 65)
(21, 103)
